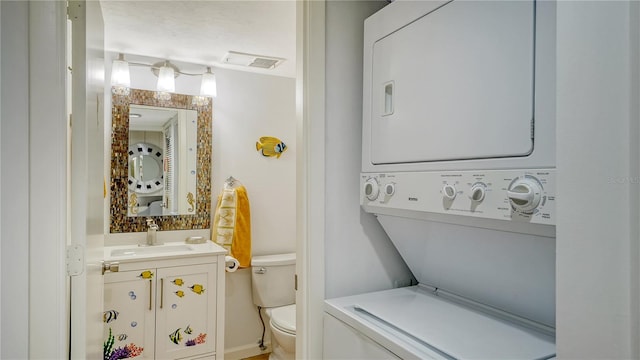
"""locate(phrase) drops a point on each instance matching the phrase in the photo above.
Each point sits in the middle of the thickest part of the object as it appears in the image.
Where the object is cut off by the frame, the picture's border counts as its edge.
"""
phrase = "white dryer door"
(457, 83)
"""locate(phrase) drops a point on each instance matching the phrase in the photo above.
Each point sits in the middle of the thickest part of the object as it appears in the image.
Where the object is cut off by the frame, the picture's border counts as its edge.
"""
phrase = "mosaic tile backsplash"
(120, 222)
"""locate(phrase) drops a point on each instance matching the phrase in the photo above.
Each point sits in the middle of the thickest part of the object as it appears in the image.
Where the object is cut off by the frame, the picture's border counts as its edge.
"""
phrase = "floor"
(258, 357)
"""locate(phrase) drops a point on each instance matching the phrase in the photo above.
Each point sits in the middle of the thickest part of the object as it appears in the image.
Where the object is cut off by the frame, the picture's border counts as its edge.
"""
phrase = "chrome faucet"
(151, 232)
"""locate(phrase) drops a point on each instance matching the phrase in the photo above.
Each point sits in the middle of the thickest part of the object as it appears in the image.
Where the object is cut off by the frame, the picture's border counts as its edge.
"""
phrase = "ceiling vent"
(251, 60)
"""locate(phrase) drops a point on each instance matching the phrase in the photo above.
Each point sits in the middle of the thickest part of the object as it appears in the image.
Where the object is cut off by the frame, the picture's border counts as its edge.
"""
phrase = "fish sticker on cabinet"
(188, 330)
(124, 352)
(122, 337)
(197, 288)
(109, 316)
(271, 146)
(179, 293)
(200, 339)
(175, 337)
(147, 274)
(178, 282)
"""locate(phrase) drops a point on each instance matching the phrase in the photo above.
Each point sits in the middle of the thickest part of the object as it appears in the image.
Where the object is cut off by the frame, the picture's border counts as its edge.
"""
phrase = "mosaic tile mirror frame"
(120, 222)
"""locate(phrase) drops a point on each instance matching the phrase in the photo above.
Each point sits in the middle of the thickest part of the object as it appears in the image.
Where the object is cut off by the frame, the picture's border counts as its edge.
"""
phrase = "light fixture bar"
(166, 73)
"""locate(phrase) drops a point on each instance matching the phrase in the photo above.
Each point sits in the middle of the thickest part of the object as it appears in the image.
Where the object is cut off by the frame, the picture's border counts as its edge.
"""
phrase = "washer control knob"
(371, 189)
(524, 194)
(449, 191)
(389, 189)
(477, 192)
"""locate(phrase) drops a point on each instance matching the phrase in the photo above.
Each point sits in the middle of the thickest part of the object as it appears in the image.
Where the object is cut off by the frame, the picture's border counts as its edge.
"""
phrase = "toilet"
(272, 279)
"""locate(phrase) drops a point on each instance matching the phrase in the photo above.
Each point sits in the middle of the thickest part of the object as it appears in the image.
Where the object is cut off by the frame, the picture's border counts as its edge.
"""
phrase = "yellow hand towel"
(232, 223)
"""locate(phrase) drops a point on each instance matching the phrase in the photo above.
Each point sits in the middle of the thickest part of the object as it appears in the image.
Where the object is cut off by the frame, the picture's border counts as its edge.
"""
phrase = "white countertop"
(179, 249)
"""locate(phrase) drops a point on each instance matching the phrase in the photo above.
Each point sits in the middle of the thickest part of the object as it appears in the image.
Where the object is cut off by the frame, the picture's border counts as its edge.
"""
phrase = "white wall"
(14, 179)
(350, 234)
(248, 107)
(597, 161)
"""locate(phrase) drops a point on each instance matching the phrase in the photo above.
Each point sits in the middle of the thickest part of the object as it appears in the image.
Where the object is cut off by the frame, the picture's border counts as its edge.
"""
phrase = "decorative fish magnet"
(175, 337)
(122, 337)
(197, 288)
(178, 282)
(271, 146)
(188, 330)
(179, 293)
(109, 316)
(146, 274)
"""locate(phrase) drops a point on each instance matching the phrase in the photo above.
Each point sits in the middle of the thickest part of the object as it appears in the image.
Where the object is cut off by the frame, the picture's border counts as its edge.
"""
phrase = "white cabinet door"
(186, 311)
(129, 316)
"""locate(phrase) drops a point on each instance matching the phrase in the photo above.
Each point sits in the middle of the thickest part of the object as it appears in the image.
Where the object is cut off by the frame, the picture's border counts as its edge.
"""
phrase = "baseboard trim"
(245, 351)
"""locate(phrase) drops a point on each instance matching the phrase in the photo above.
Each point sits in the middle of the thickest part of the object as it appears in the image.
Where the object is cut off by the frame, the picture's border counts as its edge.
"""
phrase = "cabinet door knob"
(113, 267)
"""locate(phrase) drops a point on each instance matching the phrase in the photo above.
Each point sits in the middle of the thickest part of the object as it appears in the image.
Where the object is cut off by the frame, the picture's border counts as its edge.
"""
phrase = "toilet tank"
(273, 280)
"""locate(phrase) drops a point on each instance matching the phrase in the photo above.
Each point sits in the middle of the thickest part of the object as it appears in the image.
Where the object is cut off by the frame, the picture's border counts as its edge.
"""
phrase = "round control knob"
(477, 192)
(449, 191)
(525, 194)
(371, 189)
(389, 189)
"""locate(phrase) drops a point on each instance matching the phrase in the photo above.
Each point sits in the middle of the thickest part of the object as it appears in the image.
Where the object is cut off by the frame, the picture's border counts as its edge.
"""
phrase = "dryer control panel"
(512, 195)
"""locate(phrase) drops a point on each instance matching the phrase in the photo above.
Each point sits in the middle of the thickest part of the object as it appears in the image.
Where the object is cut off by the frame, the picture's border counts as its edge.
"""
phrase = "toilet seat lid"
(284, 318)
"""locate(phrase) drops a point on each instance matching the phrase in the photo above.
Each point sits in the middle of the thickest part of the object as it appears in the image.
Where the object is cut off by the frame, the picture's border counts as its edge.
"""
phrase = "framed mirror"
(160, 161)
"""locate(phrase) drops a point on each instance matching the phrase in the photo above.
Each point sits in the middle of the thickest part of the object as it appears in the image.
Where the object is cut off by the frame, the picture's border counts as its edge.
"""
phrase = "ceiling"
(202, 32)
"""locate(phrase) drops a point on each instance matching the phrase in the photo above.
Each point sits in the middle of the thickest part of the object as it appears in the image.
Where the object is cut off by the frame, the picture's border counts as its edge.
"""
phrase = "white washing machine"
(421, 323)
(458, 166)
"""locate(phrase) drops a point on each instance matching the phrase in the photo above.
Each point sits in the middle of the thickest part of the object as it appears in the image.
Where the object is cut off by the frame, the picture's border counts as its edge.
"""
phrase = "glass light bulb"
(208, 86)
(120, 73)
(166, 79)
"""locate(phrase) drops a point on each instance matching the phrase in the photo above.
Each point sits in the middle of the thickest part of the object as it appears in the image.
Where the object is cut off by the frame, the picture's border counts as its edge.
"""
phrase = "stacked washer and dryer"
(458, 166)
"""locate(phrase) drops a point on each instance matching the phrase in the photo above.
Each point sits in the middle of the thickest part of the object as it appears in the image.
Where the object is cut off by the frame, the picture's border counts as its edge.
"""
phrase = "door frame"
(48, 309)
(310, 175)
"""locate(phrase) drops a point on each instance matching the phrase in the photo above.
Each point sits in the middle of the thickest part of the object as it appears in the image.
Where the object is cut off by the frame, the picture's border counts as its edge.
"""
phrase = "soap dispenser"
(152, 229)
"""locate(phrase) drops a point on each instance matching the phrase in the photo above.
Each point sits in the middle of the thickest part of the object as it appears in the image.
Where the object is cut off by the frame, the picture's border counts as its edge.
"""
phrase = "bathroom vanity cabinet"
(165, 308)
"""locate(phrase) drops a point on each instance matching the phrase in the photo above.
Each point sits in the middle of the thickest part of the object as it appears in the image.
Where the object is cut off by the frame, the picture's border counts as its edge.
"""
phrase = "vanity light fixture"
(166, 78)
(208, 86)
(166, 73)
(120, 79)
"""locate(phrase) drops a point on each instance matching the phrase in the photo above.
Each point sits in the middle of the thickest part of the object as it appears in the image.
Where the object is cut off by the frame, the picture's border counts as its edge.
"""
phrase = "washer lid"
(454, 330)
(284, 318)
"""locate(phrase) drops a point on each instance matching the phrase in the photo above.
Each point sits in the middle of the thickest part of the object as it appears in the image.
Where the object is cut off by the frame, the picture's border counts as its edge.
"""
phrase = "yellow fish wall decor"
(178, 282)
(179, 293)
(271, 146)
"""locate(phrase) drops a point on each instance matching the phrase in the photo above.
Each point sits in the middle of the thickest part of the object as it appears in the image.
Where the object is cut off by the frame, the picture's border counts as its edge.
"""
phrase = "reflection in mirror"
(160, 161)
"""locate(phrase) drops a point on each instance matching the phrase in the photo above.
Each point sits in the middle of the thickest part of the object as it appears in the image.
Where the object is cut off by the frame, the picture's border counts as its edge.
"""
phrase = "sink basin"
(151, 250)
